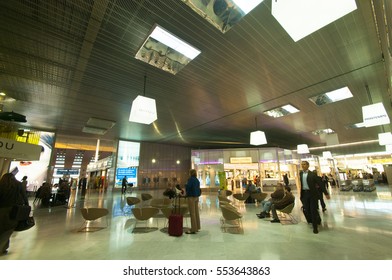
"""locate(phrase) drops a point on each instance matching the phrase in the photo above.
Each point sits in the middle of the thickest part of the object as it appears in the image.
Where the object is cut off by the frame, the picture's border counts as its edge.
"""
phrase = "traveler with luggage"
(193, 192)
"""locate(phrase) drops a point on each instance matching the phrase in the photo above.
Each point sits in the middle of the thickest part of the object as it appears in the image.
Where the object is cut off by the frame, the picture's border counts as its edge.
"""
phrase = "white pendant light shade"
(385, 138)
(302, 149)
(258, 138)
(332, 139)
(388, 148)
(143, 110)
(327, 154)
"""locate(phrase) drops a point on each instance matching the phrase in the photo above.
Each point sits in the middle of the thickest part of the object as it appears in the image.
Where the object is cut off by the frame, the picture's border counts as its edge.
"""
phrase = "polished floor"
(356, 226)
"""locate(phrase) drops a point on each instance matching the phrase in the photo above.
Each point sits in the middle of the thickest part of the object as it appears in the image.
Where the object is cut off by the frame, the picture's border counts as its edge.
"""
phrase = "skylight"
(331, 96)
(281, 111)
(323, 131)
(166, 51)
(356, 125)
(223, 14)
(302, 17)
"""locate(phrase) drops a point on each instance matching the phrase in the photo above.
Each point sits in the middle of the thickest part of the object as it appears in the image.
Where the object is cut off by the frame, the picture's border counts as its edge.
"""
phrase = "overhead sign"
(19, 150)
(71, 171)
(130, 172)
(375, 114)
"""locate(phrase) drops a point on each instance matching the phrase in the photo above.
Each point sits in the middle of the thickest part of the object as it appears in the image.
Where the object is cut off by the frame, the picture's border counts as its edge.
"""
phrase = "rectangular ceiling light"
(281, 111)
(375, 114)
(331, 96)
(223, 14)
(302, 17)
(385, 138)
(166, 51)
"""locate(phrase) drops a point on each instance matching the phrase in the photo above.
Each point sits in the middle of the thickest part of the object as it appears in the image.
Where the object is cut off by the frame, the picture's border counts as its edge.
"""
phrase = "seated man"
(280, 204)
(278, 194)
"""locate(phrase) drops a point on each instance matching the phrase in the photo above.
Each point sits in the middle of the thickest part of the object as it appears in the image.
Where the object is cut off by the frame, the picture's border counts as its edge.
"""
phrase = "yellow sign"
(240, 160)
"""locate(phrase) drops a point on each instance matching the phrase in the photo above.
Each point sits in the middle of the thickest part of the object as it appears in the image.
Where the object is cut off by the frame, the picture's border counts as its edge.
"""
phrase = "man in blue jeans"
(277, 195)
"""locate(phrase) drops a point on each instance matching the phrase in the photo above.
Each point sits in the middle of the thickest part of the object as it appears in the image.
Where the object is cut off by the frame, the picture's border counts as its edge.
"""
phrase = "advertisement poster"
(127, 162)
(37, 170)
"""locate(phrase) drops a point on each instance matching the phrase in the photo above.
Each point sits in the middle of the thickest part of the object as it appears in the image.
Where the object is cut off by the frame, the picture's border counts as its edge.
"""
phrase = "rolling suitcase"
(175, 220)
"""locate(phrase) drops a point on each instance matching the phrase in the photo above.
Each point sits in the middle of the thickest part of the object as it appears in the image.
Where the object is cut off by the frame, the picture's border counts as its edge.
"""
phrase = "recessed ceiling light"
(331, 96)
(166, 51)
(100, 123)
(94, 130)
(302, 17)
(356, 125)
(281, 111)
(323, 131)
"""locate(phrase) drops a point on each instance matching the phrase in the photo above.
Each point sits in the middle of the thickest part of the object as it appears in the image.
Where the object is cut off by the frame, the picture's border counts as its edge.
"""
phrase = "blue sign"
(67, 172)
(130, 172)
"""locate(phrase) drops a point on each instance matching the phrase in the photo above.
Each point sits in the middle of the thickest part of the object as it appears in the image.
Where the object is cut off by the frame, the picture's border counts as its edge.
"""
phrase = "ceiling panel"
(65, 62)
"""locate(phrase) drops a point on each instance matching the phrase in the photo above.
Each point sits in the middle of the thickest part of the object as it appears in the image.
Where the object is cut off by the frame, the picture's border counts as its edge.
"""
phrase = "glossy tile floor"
(356, 226)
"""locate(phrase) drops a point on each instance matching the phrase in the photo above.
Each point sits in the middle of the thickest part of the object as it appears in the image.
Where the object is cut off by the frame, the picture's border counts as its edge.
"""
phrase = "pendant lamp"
(327, 154)
(143, 109)
(302, 149)
(257, 137)
(385, 138)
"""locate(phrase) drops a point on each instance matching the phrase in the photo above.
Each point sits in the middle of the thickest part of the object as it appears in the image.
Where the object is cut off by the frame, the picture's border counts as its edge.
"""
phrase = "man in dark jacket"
(11, 193)
(124, 185)
(310, 183)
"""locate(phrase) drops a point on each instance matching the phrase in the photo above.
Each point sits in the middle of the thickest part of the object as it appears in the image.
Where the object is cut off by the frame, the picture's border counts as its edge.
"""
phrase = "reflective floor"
(356, 226)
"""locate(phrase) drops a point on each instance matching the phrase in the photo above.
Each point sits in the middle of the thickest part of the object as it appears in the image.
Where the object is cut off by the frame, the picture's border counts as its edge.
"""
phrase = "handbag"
(25, 224)
(20, 212)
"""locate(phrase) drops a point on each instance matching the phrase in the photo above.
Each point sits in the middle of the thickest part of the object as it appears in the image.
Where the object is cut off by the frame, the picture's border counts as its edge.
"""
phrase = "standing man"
(124, 185)
(310, 195)
(24, 183)
(192, 193)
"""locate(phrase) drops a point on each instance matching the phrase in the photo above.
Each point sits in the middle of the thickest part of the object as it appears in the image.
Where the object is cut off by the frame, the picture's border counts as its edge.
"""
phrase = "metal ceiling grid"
(68, 61)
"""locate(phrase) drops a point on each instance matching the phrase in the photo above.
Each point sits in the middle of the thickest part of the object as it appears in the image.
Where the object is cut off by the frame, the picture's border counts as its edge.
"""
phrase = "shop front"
(263, 167)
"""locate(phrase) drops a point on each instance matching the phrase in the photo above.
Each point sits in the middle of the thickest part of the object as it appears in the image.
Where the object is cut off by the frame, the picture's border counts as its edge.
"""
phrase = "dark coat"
(285, 201)
(278, 194)
(314, 183)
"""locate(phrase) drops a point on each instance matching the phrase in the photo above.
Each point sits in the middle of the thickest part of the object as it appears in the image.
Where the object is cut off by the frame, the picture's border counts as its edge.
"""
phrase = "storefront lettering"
(8, 146)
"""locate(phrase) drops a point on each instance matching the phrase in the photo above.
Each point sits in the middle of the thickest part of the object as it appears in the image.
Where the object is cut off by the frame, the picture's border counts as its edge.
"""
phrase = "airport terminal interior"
(92, 90)
(356, 226)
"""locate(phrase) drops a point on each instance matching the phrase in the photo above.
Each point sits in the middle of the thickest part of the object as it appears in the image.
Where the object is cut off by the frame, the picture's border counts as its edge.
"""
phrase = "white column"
(97, 150)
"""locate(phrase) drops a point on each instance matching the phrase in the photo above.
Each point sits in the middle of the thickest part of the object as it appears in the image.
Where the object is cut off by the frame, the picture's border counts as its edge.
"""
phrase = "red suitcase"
(175, 220)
